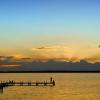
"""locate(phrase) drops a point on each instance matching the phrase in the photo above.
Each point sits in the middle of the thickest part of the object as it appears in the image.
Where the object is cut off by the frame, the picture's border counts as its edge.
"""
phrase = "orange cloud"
(65, 53)
(57, 53)
(93, 59)
(10, 65)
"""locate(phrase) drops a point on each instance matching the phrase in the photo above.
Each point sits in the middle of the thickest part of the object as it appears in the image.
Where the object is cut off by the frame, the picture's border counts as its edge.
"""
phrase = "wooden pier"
(29, 83)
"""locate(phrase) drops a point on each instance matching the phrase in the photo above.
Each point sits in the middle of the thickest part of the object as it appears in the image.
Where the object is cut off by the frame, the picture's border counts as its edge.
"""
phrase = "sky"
(62, 30)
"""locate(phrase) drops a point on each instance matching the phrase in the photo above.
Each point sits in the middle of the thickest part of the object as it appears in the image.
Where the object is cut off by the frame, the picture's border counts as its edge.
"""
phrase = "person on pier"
(50, 79)
(53, 83)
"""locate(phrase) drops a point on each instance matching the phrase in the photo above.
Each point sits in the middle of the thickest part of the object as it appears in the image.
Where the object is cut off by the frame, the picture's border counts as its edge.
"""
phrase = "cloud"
(10, 65)
(43, 48)
(99, 46)
(65, 53)
(94, 58)
(14, 58)
(59, 53)
(62, 53)
(6, 58)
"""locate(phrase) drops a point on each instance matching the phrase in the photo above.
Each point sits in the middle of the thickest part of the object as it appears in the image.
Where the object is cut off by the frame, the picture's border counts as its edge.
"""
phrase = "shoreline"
(49, 71)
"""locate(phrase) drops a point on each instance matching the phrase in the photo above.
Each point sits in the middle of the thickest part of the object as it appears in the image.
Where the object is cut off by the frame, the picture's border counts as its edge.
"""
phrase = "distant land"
(52, 66)
(49, 71)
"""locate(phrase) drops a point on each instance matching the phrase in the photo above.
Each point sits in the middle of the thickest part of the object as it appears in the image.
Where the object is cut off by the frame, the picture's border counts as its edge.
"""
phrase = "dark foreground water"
(69, 86)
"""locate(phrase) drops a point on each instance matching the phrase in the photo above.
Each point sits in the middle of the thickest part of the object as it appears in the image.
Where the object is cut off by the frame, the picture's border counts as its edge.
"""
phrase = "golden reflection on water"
(73, 86)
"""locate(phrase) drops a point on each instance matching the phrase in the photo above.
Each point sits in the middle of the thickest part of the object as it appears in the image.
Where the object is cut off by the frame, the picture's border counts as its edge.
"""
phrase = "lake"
(69, 86)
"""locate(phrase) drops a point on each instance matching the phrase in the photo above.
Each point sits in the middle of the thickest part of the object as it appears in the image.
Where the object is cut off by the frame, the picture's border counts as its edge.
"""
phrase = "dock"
(4, 84)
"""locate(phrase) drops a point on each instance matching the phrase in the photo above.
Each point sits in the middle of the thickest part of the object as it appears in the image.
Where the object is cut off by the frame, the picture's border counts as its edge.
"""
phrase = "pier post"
(36, 83)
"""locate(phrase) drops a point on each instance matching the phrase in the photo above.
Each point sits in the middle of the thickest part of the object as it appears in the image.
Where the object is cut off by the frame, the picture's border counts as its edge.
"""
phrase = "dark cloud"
(41, 48)
(52, 65)
(6, 58)
(26, 58)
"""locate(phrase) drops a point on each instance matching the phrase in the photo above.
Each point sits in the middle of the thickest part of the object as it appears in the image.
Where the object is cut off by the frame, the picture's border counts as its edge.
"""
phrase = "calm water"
(73, 86)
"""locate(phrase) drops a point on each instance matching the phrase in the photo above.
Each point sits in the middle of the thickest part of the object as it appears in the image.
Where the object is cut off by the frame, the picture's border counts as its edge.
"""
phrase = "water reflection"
(1, 89)
(68, 87)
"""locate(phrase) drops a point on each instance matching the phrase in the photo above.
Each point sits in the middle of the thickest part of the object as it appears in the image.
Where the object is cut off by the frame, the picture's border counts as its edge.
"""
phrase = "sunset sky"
(41, 30)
